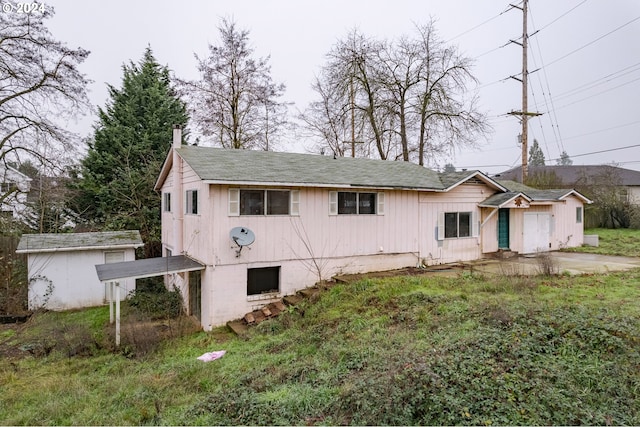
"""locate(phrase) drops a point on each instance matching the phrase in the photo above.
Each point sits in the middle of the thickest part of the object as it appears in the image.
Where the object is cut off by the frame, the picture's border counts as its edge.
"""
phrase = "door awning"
(149, 267)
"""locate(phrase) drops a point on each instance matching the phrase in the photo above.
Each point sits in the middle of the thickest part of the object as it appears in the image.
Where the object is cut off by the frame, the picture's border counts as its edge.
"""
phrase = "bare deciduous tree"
(235, 100)
(410, 96)
(40, 89)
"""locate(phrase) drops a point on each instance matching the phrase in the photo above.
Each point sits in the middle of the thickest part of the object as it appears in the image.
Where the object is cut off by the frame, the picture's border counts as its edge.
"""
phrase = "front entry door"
(503, 229)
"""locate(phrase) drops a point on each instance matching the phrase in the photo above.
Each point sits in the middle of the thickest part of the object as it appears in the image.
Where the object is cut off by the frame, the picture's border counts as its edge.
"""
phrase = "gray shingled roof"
(245, 166)
(539, 195)
(499, 199)
(571, 175)
(30, 243)
(148, 267)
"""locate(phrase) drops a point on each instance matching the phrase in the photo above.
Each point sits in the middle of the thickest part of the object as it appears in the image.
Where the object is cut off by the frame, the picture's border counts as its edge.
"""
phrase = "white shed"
(61, 267)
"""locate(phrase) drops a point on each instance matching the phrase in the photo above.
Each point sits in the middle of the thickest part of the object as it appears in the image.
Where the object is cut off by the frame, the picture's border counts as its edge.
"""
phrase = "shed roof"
(148, 267)
(31, 243)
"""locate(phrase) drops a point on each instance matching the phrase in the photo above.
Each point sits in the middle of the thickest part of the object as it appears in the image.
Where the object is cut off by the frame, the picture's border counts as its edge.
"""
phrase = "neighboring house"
(61, 267)
(14, 187)
(583, 176)
(317, 216)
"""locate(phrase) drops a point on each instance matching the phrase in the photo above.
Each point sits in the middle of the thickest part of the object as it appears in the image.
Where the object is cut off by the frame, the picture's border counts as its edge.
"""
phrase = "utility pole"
(524, 114)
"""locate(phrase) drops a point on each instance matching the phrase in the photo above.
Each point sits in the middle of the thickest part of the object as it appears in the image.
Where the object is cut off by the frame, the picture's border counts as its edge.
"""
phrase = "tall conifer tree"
(536, 156)
(130, 142)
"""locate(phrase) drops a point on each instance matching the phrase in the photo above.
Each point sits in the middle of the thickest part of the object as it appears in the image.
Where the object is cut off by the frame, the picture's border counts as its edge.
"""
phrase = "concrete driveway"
(571, 262)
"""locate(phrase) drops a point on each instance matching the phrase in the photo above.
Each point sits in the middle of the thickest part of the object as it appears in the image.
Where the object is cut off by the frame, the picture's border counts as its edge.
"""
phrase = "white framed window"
(166, 202)
(356, 203)
(579, 215)
(455, 225)
(192, 202)
(263, 202)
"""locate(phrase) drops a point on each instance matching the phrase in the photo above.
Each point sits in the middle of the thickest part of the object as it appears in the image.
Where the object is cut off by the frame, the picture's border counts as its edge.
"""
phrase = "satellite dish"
(242, 237)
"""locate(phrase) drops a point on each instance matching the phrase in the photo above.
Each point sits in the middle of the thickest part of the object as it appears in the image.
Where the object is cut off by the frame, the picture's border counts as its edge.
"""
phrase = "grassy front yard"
(405, 350)
(623, 242)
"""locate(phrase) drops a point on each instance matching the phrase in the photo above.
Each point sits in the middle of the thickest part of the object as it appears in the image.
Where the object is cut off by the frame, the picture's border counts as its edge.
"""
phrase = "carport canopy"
(149, 267)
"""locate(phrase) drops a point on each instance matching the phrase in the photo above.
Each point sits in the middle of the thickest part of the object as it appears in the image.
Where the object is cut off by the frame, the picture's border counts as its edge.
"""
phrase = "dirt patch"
(9, 346)
(408, 271)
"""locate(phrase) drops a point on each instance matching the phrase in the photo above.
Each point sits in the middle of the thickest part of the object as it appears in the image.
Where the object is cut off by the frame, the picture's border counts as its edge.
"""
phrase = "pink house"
(302, 218)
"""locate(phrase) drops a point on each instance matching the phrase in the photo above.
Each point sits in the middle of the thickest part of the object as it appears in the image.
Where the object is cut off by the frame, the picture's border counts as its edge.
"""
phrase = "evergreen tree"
(131, 140)
(449, 167)
(564, 159)
(536, 156)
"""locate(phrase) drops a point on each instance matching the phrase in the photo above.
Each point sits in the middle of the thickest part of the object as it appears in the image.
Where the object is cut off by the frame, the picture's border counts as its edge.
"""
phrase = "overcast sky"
(587, 53)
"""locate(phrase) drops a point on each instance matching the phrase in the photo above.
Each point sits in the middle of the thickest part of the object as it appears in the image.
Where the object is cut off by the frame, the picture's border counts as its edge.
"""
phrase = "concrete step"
(238, 327)
(309, 292)
(292, 299)
(274, 309)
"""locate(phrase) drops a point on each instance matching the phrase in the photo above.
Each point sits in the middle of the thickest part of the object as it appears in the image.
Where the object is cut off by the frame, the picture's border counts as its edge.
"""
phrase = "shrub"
(156, 304)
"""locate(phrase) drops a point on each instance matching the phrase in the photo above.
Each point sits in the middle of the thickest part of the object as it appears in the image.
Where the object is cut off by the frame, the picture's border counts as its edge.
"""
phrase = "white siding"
(73, 278)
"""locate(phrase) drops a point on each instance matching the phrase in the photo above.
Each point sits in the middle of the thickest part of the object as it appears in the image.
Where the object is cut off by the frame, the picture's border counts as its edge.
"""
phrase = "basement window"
(263, 280)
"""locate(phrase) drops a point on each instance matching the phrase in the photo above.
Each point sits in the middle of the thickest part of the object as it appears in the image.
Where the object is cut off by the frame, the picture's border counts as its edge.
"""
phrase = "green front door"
(503, 229)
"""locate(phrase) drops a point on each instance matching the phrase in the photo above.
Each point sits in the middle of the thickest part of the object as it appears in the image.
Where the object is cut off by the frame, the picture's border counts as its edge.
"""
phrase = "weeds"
(407, 350)
(546, 264)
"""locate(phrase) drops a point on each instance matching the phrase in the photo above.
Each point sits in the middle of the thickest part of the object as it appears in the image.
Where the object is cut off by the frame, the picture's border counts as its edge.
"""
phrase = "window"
(263, 280)
(352, 203)
(457, 224)
(7, 187)
(277, 202)
(347, 203)
(251, 202)
(263, 202)
(113, 256)
(192, 201)
(166, 202)
(579, 215)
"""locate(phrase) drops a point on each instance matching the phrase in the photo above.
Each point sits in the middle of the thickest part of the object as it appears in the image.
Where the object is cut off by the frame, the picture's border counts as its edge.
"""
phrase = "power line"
(563, 15)
(593, 41)
(553, 119)
(602, 151)
(603, 130)
(601, 80)
(597, 94)
(478, 26)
